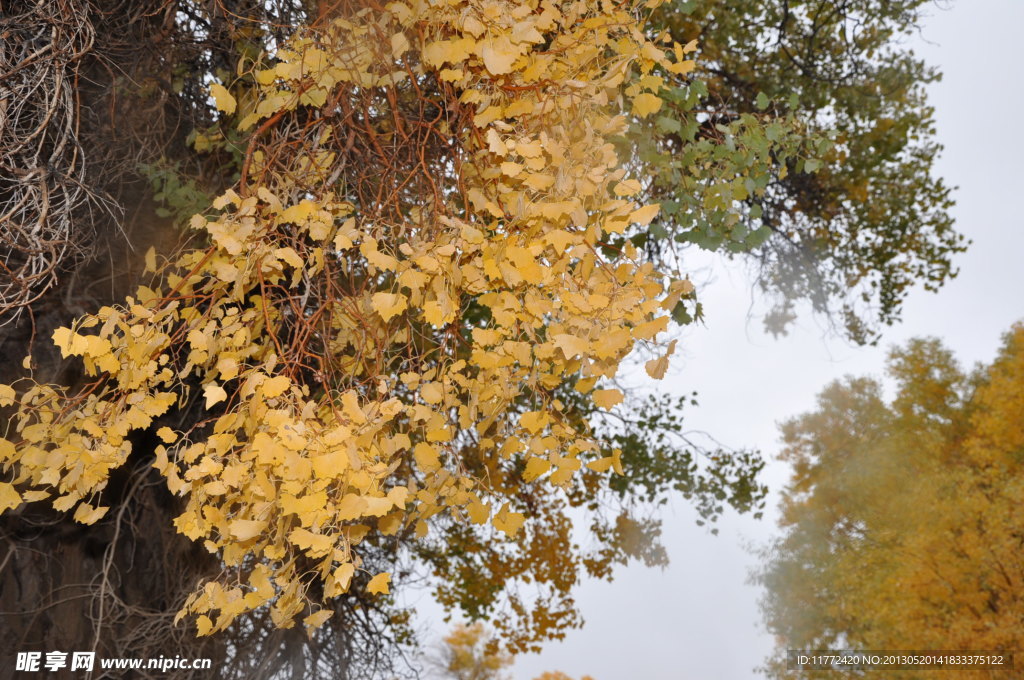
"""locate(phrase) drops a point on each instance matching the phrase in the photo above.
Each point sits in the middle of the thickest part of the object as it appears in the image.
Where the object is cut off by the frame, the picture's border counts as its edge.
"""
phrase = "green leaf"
(668, 124)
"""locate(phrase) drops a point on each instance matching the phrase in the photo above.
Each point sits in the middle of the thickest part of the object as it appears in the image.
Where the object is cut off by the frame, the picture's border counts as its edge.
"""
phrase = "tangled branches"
(43, 182)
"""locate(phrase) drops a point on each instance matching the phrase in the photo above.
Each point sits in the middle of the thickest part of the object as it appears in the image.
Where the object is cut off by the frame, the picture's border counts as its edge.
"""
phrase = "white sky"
(699, 620)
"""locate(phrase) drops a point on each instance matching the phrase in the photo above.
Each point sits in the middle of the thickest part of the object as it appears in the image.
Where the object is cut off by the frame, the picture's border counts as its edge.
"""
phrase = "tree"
(470, 653)
(805, 143)
(368, 242)
(374, 353)
(902, 518)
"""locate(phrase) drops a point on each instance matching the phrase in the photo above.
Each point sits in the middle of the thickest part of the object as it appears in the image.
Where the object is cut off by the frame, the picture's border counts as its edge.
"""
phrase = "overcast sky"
(698, 620)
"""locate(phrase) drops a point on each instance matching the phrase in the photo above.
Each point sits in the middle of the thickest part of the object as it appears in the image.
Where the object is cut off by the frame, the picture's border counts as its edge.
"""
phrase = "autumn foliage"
(393, 257)
(903, 519)
(378, 316)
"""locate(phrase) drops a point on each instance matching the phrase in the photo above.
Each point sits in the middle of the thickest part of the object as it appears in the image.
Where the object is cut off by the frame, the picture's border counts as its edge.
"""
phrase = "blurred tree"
(806, 144)
(902, 521)
(471, 653)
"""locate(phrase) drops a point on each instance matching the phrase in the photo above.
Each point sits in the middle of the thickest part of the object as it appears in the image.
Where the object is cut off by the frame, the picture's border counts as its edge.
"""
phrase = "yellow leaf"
(520, 108)
(617, 461)
(511, 169)
(494, 143)
(379, 584)
(627, 187)
(7, 451)
(276, 386)
(376, 506)
(487, 336)
(645, 104)
(64, 503)
(151, 259)
(649, 329)
(244, 529)
(450, 75)
(95, 346)
(607, 398)
(399, 45)
(69, 343)
(529, 149)
(508, 522)
(290, 256)
(263, 589)
(87, 514)
(682, 67)
(305, 505)
(535, 467)
(228, 368)
(167, 435)
(330, 465)
(215, 488)
(525, 264)
(645, 214)
(320, 618)
(451, 51)
(473, 26)
(224, 99)
(6, 395)
(340, 579)
(433, 313)
(498, 54)
(390, 524)
(389, 305)
(203, 625)
(378, 259)
(9, 497)
(343, 239)
(214, 393)
(317, 545)
(656, 367)
(198, 340)
(570, 345)
(350, 405)
(534, 421)
(432, 393)
(398, 496)
(351, 506)
(426, 456)
(478, 512)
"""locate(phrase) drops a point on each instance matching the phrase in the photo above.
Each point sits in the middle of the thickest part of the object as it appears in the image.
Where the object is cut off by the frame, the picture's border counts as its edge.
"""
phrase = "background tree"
(902, 519)
(470, 653)
(806, 144)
